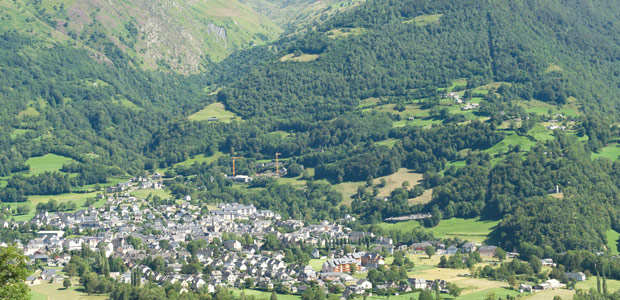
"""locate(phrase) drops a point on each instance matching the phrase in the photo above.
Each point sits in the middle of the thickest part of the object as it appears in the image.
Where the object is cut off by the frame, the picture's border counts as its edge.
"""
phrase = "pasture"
(612, 241)
(474, 230)
(214, 110)
(396, 180)
(611, 152)
(46, 163)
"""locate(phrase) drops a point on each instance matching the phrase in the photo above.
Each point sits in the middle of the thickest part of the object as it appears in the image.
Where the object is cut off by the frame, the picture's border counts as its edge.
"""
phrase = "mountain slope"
(177, 35)
(295, 15)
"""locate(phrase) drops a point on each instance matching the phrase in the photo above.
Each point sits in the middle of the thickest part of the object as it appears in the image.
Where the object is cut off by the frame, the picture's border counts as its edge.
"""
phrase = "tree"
(274, 296)
(430, 251)
(500, 254)
(13, 273)
(535, 263)
(425, 295)
(512, 281)
(454, 289)
(66, 283)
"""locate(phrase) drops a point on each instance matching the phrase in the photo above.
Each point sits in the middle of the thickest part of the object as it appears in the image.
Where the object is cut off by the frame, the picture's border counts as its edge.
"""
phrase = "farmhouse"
(576, 276)
(487, 250)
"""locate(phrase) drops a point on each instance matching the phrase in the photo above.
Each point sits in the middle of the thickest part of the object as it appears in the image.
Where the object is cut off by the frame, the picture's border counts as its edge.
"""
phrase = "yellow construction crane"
(233, 158)
(277, 165)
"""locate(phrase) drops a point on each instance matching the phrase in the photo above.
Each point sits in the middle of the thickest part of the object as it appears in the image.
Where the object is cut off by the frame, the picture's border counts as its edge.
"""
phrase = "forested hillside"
(507, 110)
(552, 51)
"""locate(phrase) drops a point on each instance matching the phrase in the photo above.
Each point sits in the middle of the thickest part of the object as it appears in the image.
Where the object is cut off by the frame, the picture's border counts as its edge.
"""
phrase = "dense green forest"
(337, 111)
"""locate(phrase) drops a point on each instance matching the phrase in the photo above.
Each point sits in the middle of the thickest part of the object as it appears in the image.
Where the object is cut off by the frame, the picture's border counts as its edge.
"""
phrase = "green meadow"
(214, 110)
(474, 230)
(46, 163)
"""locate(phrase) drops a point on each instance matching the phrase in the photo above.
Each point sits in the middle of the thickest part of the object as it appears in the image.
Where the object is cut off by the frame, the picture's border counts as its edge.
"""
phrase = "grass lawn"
(264, 295)
(46, 163)
(156, 192)
(216, 110)
(316, 263)
(57, 292)
(474, 230)
(611, 152)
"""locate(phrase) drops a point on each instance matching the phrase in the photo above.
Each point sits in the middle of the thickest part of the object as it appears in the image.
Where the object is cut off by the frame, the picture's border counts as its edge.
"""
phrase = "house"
(525, 288)
(364, 284)
(547, 262)
(419, 246)
(417, 283)
(31, 280)
(468, 247)
(451, 250)
(470, 106)
(315, 253)
(487, 250)
(48, 274)
(576, 276)
(232, 245)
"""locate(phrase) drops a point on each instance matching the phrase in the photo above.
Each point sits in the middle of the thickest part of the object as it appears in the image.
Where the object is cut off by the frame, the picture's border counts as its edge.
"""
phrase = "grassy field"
(612, 241)
(300, 58)
(611, 152)
(46, 163)
(344, 32)
(510, 140)
(155, 192)
(57, 292)
(348, 190)
(612, 285)
(264, 295)
(396, 180)
(542, 108)
(426, 197)
(474, 230)
(216, 110)
(425, 19)
(471, 229)
(200, 158)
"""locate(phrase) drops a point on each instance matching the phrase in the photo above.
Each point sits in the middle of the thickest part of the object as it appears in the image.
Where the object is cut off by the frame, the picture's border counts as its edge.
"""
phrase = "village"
(239, 252)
